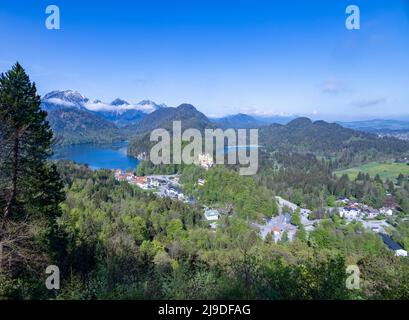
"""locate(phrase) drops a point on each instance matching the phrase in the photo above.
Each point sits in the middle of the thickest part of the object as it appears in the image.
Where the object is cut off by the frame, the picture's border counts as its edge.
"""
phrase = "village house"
(211, 214)
(141, 182)
(386, 211)
(276, 232)
(153, 182)
(174, 193)
(343, 200)
(372, 213)
(129, 176)
(119, 175)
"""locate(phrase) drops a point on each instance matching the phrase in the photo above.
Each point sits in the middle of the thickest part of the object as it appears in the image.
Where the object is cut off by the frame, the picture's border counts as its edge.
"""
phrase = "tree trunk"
(13, 195)
(1, 257)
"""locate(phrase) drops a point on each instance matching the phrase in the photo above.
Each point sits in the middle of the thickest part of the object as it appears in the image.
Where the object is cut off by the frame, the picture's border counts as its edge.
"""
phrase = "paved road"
(373, 224)
(282, 202)
(278, 222)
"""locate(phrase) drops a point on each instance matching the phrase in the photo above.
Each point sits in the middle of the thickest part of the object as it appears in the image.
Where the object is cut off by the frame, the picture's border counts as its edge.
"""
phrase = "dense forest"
(78, 126)
(338, 145)
(310, 183)
(123, 243)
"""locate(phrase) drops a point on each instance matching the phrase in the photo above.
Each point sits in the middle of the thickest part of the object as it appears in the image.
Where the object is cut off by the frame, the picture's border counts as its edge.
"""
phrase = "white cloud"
(98, 106)
(60, 102)
(101, 106)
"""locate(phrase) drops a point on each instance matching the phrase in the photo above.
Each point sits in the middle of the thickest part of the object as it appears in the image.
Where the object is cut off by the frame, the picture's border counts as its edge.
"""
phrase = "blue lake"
(98, 156)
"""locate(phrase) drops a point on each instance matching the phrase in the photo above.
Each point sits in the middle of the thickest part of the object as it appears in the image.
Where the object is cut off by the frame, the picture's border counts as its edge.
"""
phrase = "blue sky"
(224, 57)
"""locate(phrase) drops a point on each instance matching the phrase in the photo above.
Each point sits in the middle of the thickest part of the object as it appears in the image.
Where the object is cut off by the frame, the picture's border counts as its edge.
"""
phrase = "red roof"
(141, 180)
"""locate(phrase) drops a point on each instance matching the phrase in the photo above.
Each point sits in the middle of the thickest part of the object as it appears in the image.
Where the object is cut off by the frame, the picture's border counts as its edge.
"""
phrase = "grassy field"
(387, 170)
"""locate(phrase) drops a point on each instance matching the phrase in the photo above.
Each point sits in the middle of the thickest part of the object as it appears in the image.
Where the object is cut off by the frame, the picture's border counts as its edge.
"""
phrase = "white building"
(153, 183)
(211, 214)
(205, 160)
(371, 214)
(386, 211)
(276, 232)
(174, 194)
(401, 253)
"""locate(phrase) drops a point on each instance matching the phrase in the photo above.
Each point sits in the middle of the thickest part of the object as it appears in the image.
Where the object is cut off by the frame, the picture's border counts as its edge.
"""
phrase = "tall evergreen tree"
(31, 190)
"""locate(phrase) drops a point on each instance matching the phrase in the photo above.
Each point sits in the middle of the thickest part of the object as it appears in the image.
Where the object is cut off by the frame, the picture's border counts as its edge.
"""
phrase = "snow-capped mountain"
(119, 106)
(119, 102)
(70, 98)
(123, 113)
(61, 99)
(119, 111)
(149, 106)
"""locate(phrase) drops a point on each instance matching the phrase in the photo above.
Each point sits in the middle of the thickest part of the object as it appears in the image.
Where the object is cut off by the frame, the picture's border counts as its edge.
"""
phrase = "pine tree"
(401, 179)
(378, 179)
(391, 186)
(301, 233)
(31, 190)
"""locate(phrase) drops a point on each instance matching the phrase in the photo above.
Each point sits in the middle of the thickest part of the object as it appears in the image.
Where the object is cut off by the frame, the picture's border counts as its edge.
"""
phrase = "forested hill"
(322, 138)
(301, 135)
(238, 121)
(164, 117)
(189, 116)
(72, 126)
(77, 119)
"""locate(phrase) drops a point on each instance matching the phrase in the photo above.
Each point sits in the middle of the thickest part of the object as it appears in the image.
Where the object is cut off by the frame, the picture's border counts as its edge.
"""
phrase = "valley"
(160, 152)
(123, 227)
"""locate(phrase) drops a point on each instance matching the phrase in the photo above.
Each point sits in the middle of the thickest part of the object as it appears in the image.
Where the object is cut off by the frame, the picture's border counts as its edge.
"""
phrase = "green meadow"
(386, 170)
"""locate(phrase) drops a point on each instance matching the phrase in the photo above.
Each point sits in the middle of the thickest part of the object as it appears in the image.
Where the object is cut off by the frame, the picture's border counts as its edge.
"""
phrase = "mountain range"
(164, 117)
(119, 111)
(77, 119)
(300, 136)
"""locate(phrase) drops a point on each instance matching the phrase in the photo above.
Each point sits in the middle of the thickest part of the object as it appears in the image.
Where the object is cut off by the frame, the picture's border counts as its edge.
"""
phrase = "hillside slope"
(331, 141)
(73, 126)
